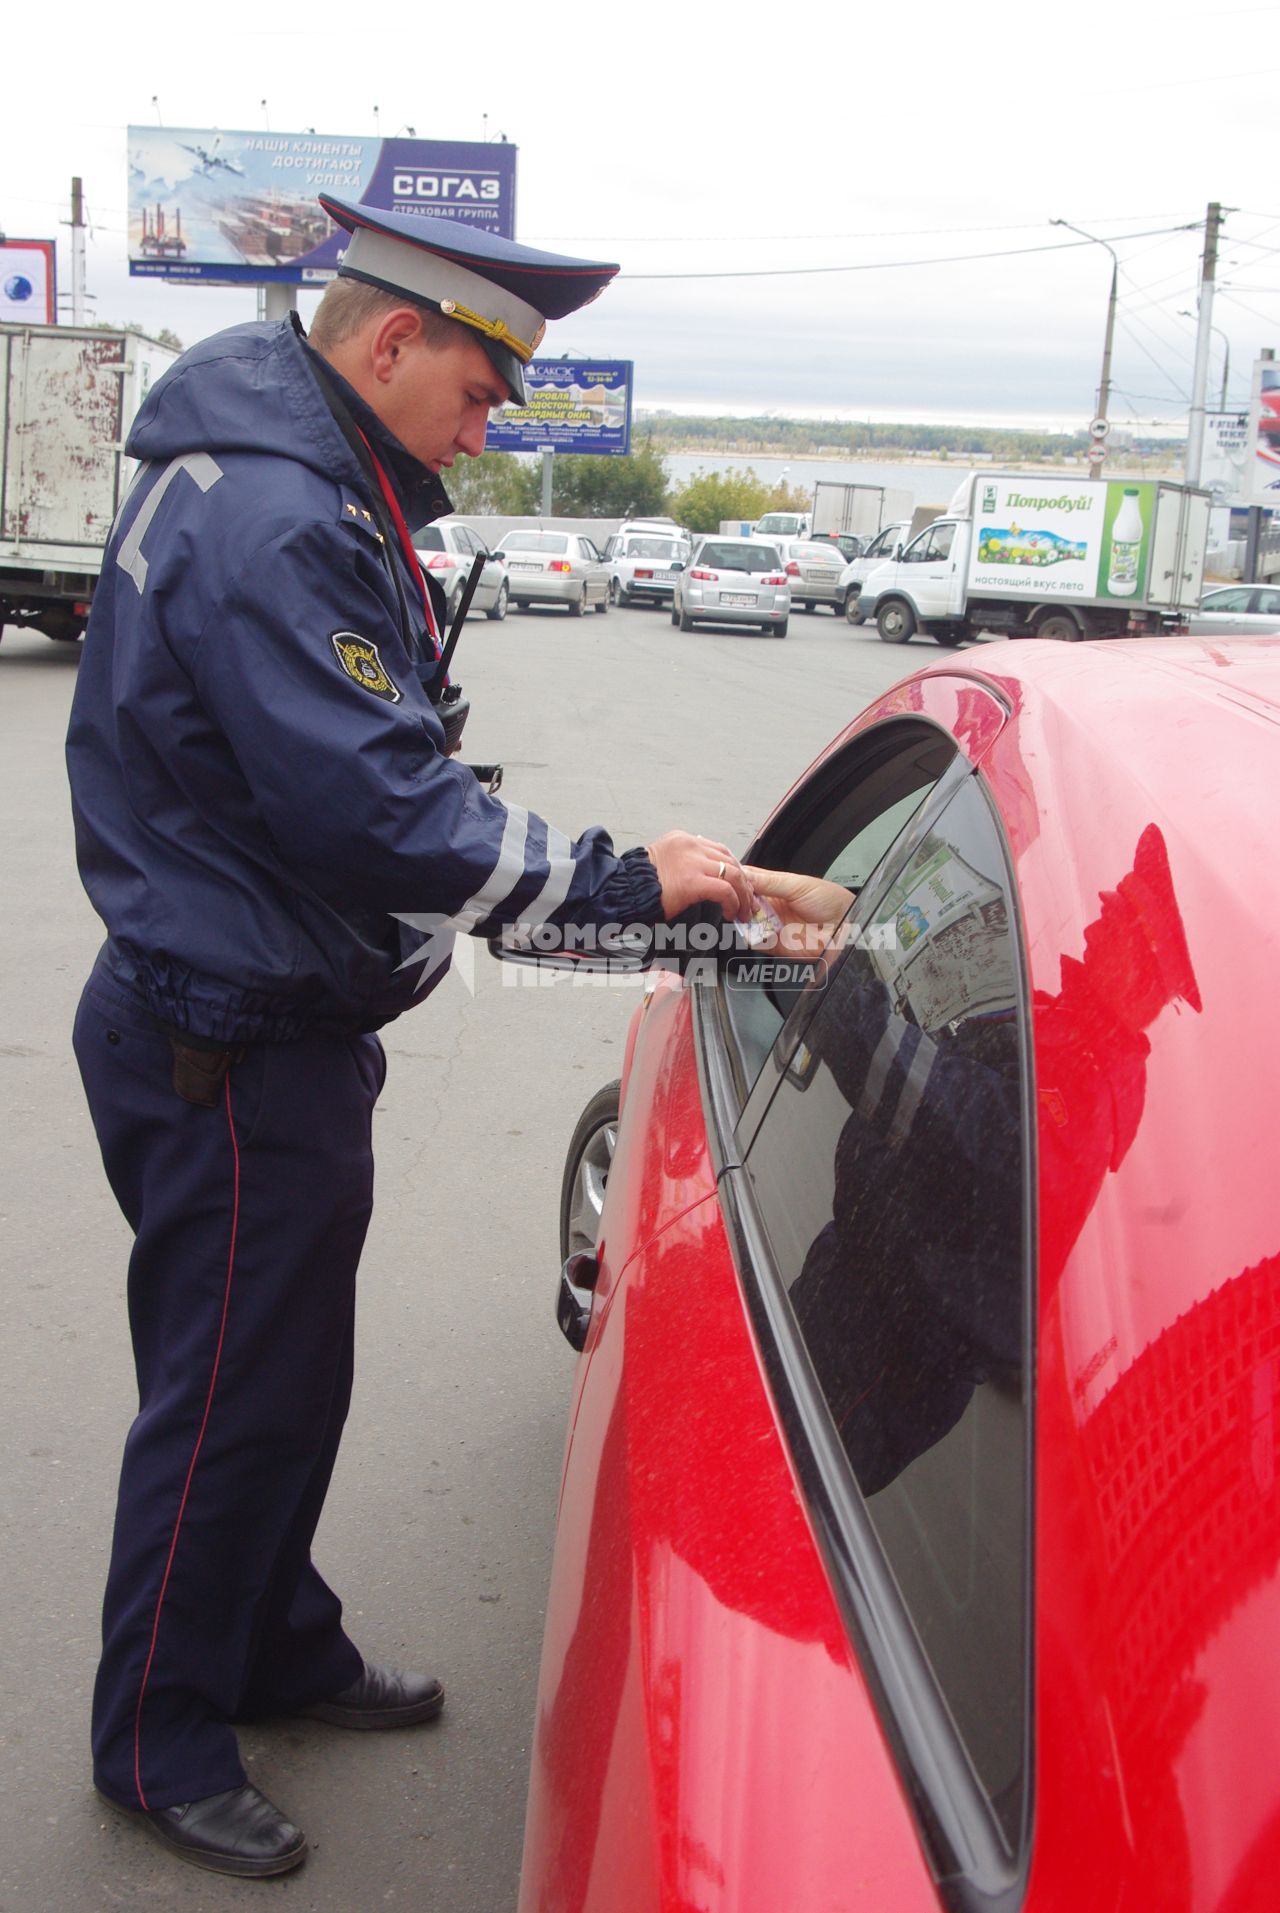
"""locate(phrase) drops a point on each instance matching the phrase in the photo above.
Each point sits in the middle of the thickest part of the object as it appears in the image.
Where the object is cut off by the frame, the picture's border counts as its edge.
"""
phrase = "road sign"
(1096, 452)
(1099, 428)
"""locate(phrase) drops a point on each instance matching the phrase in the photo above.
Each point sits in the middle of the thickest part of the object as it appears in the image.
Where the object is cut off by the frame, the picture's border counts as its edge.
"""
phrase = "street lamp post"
(1104, 383)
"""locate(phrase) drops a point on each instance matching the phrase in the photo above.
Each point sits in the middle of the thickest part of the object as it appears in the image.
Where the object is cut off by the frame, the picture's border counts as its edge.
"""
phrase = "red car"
(919, 1534)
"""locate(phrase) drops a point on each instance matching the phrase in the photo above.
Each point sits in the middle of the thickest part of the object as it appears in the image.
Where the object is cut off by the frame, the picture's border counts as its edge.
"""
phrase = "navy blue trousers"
(248, 1220)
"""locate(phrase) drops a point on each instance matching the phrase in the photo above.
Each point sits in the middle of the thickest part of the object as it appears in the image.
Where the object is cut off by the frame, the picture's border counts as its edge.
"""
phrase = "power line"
(889, 265)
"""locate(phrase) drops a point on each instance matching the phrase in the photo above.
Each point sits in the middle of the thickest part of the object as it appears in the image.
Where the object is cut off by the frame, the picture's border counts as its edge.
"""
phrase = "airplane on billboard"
(212, 162)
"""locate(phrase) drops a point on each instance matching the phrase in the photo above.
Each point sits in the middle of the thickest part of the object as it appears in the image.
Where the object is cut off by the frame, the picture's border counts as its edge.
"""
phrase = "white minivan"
(857, 571)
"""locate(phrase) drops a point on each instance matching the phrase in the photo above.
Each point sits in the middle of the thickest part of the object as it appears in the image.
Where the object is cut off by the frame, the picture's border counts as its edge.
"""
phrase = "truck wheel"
(1060, 626)
(950, 639)
(851, 611)
(895, 621)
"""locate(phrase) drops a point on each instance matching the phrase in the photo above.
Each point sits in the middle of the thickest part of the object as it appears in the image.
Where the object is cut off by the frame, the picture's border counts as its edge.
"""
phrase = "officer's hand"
(698, 870)
(809, 909)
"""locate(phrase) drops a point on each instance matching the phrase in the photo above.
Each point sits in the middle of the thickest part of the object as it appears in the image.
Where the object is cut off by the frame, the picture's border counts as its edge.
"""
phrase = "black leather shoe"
(234, 1832)
(382, 1697)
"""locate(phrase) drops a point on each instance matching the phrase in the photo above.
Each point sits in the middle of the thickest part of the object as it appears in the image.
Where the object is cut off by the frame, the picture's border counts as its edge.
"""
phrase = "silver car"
(555, 567)
(1241, 608)
(813, 572)
(733, 581)
(447, 551)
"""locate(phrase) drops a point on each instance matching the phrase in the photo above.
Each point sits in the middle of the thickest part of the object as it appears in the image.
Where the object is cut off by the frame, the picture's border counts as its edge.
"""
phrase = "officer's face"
(437, 398)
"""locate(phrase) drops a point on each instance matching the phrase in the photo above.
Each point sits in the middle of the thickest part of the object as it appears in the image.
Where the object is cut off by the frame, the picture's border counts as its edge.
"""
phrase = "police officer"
(263, 791)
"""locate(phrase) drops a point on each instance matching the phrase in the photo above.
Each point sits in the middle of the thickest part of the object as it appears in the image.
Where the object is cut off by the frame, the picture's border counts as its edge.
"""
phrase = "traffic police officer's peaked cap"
(504, 292)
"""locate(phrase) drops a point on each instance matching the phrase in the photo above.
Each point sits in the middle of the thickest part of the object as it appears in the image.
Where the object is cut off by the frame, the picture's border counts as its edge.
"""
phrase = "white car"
(1240, 608)
(640, 561)
(783, 524)
(447, 551)
(555, 567)
(733, 581)
(858, 570)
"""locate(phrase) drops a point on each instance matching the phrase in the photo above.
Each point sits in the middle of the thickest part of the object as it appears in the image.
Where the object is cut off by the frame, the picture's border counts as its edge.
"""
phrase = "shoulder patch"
(360, 659)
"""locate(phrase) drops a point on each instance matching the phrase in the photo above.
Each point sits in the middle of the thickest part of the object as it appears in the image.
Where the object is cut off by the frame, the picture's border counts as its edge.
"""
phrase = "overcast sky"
(695, 139)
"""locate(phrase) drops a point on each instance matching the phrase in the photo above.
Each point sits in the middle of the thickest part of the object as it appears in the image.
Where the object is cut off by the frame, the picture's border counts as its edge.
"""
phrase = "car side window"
(1268, 602)
(1234, 600)
(841, 827)
(889, 1174)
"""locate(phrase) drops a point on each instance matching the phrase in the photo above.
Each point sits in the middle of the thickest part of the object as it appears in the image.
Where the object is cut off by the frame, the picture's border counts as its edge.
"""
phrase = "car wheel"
(851, 611)
(498, 609)
(586, 1171)
(778, 630)
(808, 604)
(1060, 626)
(895, 621)
(615, 596)
(579, 604)
(602, 606)
(685, 621)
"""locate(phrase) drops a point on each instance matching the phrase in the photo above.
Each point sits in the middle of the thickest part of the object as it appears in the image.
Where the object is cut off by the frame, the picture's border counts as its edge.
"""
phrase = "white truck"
(68, 396)
(1046, 557)
(859, 510)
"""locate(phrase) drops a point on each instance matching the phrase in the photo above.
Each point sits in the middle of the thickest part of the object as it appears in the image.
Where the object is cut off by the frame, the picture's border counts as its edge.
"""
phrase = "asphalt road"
(439, 1525)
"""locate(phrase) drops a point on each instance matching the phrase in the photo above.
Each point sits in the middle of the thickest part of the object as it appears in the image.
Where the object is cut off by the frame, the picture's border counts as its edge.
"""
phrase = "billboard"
(28, 281)
(1039, 537)
(1261, 481)
(241, 208)
(1226, 438)
(575, 405)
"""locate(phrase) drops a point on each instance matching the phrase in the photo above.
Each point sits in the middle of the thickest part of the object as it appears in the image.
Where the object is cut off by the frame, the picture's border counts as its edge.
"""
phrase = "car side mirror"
(897, 554)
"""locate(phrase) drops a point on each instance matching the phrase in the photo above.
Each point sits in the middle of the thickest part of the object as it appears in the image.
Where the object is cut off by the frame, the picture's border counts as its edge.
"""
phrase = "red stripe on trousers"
(195, 1453)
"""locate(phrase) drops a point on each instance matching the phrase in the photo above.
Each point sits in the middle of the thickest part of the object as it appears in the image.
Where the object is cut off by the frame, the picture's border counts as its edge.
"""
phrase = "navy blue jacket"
(258, 778)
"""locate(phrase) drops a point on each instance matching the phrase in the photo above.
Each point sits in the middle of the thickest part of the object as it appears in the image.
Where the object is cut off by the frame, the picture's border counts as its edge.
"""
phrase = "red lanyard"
(406, 543)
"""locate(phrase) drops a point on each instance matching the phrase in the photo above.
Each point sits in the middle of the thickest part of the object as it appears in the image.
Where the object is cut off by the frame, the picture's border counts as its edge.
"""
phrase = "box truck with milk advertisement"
(1046, 557)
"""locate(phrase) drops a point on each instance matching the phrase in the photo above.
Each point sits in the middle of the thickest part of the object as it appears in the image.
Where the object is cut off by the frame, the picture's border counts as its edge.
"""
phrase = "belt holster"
(198, 1074)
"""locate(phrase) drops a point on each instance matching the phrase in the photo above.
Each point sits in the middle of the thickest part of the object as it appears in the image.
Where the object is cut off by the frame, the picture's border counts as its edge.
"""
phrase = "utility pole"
(1098, 449)
(1204, 332)
(78, 313)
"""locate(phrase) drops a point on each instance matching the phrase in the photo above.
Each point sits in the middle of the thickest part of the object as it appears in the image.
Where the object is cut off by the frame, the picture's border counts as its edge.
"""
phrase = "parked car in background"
(1241, 608)
(448, 551)
(640, 560)
(849, 545)
(783, 524)
(733, 581)
(814, 571)
(918, 1545)
(555, 567)
(877, 552)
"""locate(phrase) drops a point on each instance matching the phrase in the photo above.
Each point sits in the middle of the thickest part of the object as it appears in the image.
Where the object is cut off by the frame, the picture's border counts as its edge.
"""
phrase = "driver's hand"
(809, 909)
